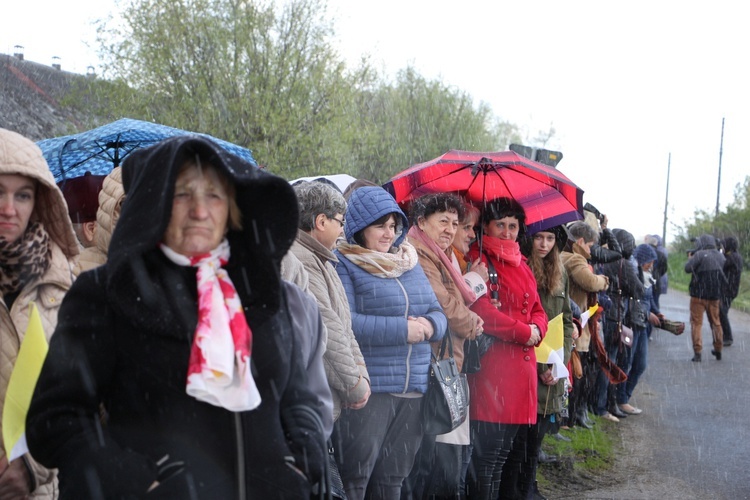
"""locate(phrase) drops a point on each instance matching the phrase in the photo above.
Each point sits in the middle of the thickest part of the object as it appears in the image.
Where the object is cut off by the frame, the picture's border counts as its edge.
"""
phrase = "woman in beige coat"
(37, 251)
(583, 281)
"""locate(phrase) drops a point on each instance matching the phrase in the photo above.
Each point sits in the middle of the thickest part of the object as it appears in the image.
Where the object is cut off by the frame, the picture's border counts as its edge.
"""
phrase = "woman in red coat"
(504, 391)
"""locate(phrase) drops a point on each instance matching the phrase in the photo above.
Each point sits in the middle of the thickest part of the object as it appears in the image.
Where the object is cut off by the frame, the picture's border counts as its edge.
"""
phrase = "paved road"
(692, 439)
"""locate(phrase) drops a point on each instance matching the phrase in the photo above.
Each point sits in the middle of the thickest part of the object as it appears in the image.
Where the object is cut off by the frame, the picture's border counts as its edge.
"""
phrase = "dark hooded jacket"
(124, 339)
(732, 267)
(607, 249)
(706, 266)
(624, 283)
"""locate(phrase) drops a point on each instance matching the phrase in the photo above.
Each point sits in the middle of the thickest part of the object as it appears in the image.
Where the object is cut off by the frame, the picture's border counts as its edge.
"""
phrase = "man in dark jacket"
(732, 271)
(707, 281)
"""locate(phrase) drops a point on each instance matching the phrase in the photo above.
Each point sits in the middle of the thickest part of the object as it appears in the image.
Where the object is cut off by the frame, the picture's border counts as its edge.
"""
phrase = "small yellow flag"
(21, 386)
(551, 349)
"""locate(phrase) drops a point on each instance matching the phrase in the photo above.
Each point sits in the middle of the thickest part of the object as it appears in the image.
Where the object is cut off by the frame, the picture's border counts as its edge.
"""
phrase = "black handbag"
(446, 403)
(472, 358)
(626, 333)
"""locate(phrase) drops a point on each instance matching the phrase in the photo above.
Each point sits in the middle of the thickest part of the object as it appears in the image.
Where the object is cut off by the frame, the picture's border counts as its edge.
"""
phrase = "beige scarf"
(380, 264)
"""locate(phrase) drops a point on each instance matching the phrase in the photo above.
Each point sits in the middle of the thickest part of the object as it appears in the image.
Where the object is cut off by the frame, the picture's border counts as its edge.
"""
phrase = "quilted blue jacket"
(380, 306)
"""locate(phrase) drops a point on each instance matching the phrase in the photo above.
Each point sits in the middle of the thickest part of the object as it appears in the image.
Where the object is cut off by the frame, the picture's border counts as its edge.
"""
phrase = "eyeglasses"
(337, 220)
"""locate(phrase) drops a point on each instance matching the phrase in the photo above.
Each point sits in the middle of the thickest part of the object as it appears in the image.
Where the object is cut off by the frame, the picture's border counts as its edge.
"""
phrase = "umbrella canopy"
(547, 196)
(101, 149)
(340, 181)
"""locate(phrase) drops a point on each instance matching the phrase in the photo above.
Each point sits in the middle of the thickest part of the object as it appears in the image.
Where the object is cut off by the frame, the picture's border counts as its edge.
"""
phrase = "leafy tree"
(414, 120)
(247, 72)
(267, 77)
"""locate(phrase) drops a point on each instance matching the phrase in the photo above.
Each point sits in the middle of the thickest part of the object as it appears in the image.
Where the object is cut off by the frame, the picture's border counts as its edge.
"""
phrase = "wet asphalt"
(698, 414)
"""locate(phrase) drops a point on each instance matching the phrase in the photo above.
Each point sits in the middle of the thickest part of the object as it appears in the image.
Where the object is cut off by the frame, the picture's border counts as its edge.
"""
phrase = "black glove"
(306, 439)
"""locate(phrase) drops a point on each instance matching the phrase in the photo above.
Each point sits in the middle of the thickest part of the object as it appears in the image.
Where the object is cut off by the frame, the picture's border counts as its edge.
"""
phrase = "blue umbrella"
(101, 149)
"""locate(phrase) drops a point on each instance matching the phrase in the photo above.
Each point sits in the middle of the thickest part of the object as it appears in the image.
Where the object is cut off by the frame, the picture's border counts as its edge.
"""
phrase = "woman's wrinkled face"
(200, 210)
(380, 237)
(506, 228)
(440, 227)
(544, 242)
(17, 197)
(465, 234)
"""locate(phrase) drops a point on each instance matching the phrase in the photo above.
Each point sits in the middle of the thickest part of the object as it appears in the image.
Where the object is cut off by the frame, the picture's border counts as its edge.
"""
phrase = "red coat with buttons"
(505, 389)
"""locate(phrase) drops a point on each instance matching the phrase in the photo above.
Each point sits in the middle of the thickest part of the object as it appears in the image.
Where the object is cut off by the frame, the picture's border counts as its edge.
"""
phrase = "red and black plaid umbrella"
(548, 197)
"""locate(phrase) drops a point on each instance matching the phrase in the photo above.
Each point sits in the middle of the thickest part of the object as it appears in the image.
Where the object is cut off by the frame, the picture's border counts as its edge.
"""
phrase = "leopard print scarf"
(25, 259)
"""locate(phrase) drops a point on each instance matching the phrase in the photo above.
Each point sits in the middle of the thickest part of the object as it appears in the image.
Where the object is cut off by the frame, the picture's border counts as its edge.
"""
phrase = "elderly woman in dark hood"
(184, 338)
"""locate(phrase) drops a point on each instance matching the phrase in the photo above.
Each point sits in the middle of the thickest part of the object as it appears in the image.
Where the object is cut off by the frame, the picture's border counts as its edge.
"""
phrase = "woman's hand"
(653, 319)
(14, 479)
(479, 329)
(547, 378)
(415, 333)
(480, 268)
(576, 331)
(536, 335)
(429, 330)
(362, 402)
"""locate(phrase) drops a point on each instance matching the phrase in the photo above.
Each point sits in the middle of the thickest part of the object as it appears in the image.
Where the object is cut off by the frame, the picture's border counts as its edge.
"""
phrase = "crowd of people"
(224, 334)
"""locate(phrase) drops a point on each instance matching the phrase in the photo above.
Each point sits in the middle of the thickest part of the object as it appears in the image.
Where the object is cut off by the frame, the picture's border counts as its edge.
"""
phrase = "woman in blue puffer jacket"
(395, 315)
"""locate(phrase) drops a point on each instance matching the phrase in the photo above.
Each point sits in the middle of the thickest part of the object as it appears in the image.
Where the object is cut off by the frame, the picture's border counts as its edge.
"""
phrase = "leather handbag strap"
(494, 286)
(447, 340)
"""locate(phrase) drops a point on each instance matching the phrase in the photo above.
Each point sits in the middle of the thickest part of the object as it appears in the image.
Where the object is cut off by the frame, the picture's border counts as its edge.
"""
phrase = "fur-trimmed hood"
(19, 155)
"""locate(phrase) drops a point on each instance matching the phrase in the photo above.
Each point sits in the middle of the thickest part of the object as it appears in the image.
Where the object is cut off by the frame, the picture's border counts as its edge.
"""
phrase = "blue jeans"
(638, 361)
(612, 346)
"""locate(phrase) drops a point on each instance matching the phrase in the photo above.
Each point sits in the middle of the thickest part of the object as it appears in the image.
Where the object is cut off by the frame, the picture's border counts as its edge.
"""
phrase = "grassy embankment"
(583, 462)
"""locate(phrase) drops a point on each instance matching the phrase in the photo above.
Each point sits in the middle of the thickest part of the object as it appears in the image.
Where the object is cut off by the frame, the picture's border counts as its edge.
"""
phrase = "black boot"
(535, 494)
(617, 412)
(582, 419)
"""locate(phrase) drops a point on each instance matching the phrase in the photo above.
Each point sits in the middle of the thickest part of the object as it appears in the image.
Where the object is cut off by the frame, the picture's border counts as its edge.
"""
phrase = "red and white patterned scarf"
(219, 367)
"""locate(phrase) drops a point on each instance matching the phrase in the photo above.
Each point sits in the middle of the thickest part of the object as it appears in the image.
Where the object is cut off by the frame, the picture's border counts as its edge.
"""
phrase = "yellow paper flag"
(551, 349)
(587, 314)
(21, 386)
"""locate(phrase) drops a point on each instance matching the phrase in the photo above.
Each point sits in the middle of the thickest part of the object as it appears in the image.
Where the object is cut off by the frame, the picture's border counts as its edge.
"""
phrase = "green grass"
(590, 452)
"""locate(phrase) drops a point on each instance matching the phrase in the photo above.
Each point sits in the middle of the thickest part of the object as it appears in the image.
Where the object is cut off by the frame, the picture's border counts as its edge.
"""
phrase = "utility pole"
(721, 150)
(666, 204)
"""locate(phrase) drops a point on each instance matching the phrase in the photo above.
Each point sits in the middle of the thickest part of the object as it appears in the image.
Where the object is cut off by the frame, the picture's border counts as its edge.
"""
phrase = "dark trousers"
(726, 328)
(491, 445)
(519, 470)
(583, 387)
(437, 471)
(378, 446)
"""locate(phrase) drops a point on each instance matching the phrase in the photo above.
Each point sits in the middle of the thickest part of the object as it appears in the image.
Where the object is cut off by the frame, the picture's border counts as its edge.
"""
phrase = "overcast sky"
(624, 85)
